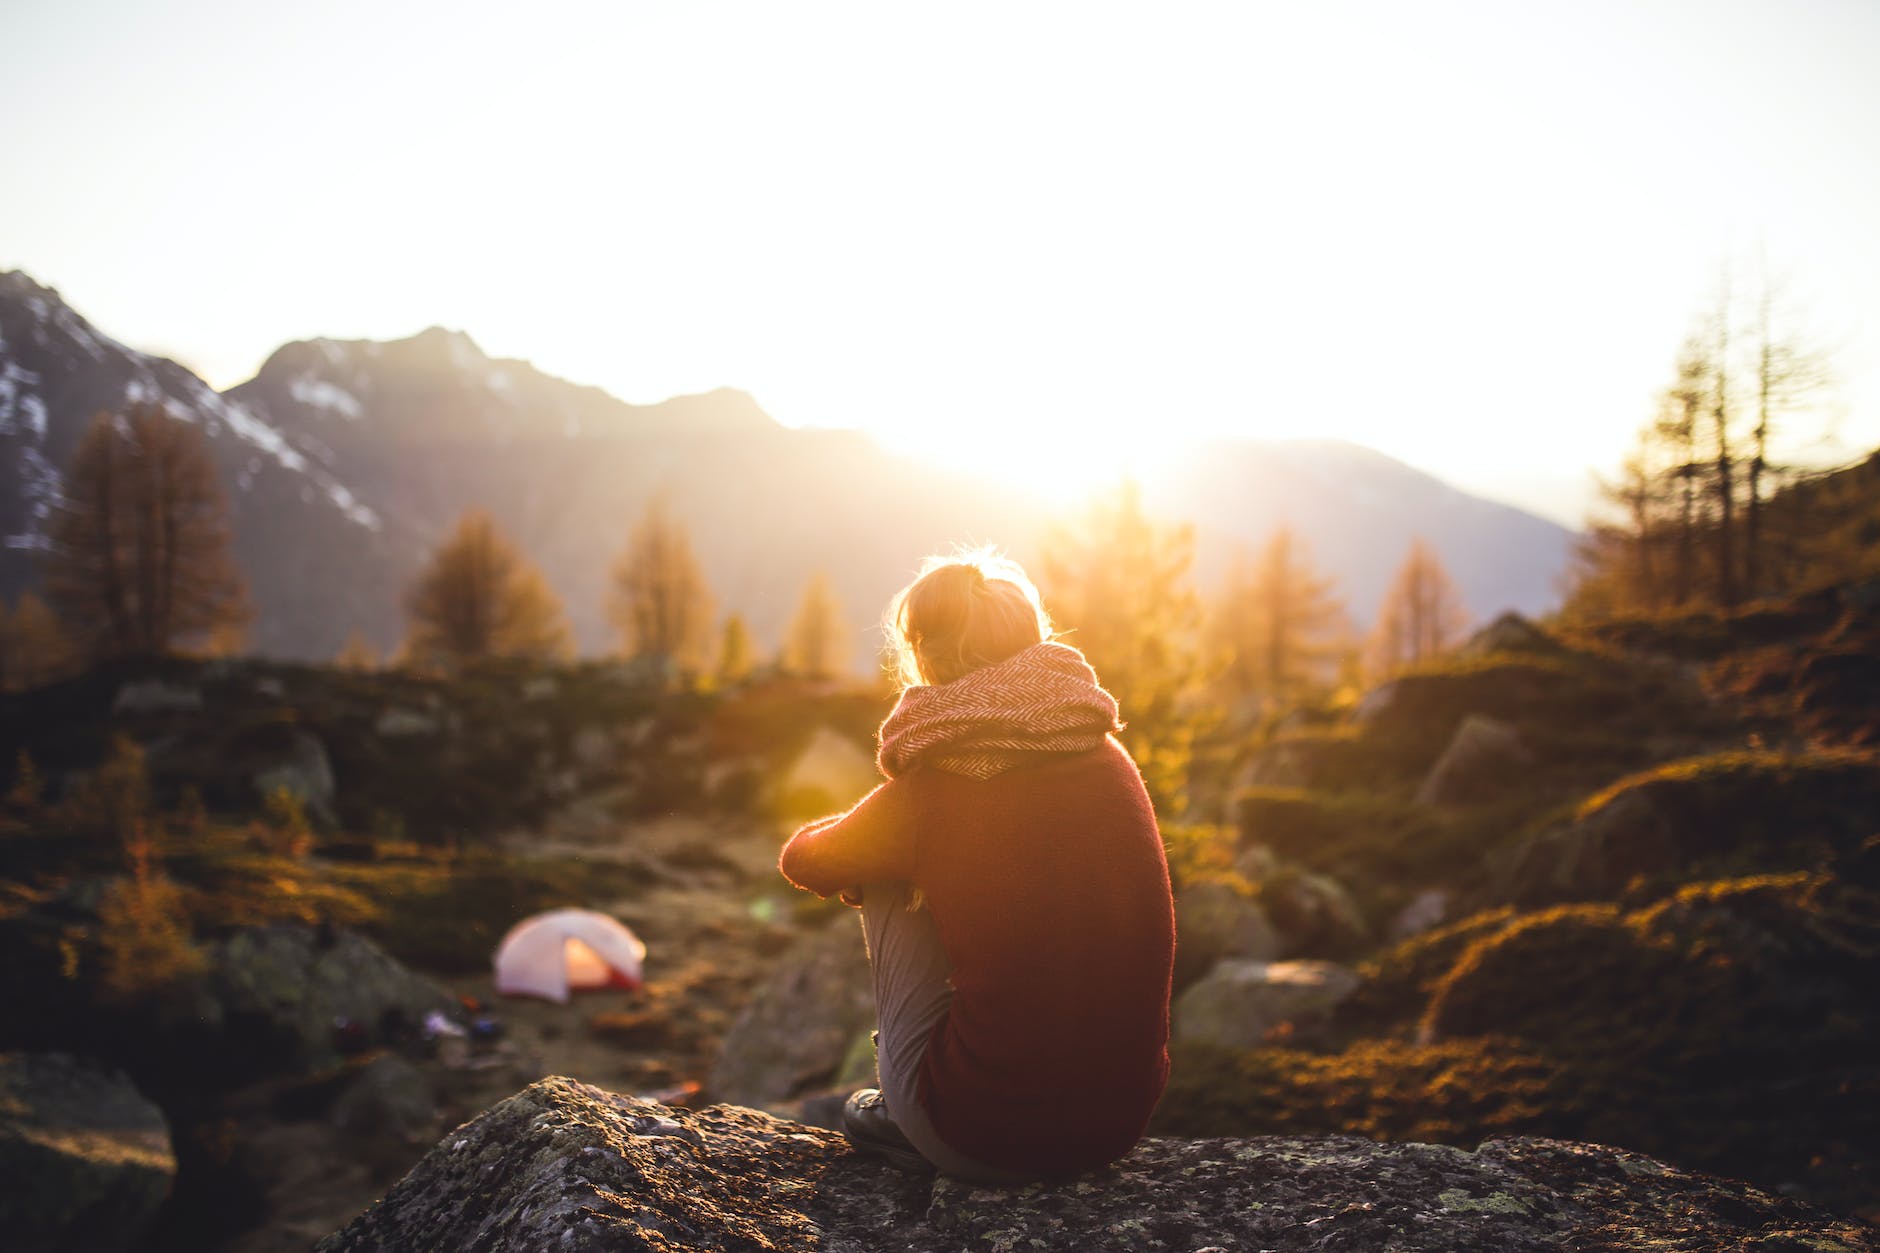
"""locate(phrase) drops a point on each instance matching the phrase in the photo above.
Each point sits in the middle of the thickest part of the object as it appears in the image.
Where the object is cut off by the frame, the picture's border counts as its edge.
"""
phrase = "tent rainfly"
(549, 955)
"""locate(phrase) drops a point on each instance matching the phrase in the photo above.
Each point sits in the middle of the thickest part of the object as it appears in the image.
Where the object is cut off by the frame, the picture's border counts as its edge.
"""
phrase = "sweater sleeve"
(871, 843)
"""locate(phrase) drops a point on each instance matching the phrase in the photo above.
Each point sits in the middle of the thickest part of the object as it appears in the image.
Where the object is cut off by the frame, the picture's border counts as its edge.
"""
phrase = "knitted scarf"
(1044, 699)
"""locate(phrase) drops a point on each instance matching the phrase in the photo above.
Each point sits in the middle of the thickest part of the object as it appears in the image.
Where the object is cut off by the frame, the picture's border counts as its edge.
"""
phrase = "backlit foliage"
(1117, 584)
(139, 562)
(480, 598)
(815, 645)
(657, 595)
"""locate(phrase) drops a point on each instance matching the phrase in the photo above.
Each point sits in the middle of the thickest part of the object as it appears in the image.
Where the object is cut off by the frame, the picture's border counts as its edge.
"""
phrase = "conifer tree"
(735, 652)
(1422, 613)
(139, 561)
(480, 598)
(658, 597)
(816, 644)
(33, 647)
(357, 654)
(1276, 623)
(1117, 583)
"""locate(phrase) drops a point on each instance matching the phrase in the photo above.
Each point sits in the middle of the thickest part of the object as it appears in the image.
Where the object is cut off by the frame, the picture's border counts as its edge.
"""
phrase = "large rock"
(1312, 914)
(1213, 922)
(1484, 759)
(302, 769)
(1239, 1002)
(564, 1166)
(793, 1036)
(85, 1159)
(296, 988)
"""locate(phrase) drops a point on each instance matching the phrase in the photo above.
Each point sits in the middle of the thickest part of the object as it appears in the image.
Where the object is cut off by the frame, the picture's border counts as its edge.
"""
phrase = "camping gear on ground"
(564, 950)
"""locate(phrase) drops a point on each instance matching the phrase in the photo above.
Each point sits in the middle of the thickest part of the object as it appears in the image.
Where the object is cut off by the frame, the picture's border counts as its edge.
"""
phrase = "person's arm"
(871, 843)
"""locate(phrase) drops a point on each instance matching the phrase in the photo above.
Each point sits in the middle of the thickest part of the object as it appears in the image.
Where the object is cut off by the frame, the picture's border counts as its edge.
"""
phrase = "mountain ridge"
(347, 461)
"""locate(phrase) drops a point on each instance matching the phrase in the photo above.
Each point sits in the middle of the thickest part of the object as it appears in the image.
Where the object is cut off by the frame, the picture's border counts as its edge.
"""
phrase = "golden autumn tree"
(1422, 613)
(1276, 623)
(139, 562)
(816, 645)
(480, 599)
(1117, 582)
(736, 654)
(33, 647)
(657, 596)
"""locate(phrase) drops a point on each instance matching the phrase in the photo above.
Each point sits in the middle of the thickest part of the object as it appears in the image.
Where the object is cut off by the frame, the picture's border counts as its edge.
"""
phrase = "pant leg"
(912, 992)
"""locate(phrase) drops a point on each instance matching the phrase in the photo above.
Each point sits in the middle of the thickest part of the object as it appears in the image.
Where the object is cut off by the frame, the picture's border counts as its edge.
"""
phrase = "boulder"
(564, 1166)
(301, 768)
(1212, 922)
(389, 1099)
(1312, 913)
(794, 1035)
(1421, 913)
(831, 766)
(85, 1157)
(398, 722)
(1510, 633)
(1485, 756)
(154, 696)
(1239, 1002)
(306, 992)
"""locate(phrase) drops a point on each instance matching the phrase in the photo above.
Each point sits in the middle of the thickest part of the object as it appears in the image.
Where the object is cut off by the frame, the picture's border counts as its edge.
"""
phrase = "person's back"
(1050, 892)
(1014, 893)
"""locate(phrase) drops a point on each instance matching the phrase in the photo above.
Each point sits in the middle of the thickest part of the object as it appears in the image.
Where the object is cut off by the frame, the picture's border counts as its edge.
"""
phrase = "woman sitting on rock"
(1014, 895)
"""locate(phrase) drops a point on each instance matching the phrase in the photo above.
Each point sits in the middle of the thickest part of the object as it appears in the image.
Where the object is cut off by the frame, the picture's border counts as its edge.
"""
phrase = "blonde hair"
(969, 609)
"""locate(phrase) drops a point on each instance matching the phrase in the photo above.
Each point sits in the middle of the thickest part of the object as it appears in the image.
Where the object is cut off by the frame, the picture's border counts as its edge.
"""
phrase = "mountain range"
(347, 461)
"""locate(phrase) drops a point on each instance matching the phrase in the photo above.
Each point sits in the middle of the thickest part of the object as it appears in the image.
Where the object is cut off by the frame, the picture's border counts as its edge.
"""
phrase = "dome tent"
(550, 955)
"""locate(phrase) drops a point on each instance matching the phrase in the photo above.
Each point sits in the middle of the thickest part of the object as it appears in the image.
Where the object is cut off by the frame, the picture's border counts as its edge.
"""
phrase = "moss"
(1397, 984)
(1453, 1093)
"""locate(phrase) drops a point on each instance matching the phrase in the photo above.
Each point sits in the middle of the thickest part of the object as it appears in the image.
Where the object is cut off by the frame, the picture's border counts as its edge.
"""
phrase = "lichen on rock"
(565, 1166)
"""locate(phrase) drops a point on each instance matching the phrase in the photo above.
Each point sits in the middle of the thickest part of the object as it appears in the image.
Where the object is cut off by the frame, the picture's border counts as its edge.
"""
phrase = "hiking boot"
(866, 1123)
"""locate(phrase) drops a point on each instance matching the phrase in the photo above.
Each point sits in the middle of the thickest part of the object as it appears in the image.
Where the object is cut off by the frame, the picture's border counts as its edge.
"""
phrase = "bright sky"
(1471, 235)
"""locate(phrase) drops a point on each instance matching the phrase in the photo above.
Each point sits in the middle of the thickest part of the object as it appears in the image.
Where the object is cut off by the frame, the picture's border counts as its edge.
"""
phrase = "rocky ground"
(565, 1166)
(708, 943)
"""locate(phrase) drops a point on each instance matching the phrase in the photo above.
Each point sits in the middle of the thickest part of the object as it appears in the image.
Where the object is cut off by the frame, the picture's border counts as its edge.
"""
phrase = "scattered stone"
(1510, 633)
(1239, 1002)
(1426, 909)
(564, 1166)
(832, 765)
(155, 696)
(310, 992)
(594, 748)
(1484, 757)
(793, 1036)
(1214, 921)
(303, 770)
(397, 722)
(1312, 914)
(86, 1159)
(389, 1099)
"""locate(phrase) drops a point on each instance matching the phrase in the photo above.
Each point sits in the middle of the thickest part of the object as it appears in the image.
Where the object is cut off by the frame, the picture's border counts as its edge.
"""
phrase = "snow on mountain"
(348, 460)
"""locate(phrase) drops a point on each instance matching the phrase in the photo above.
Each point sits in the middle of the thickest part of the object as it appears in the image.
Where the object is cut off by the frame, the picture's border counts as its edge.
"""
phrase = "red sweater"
(1050, 891)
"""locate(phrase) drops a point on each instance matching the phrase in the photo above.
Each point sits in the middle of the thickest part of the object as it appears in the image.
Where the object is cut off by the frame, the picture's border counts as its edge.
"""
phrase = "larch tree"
(1688, 523)
(1422, 614)
(358, 653)
(139, 562)
(1117, 582)
(657, 596)
(736, 655)
(816, 644)
(481, 599)
(1276, 624)
(33, 646)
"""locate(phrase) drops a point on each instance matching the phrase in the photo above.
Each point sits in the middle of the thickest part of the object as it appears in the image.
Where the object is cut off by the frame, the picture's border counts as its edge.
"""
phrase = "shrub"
(1458, 1092)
